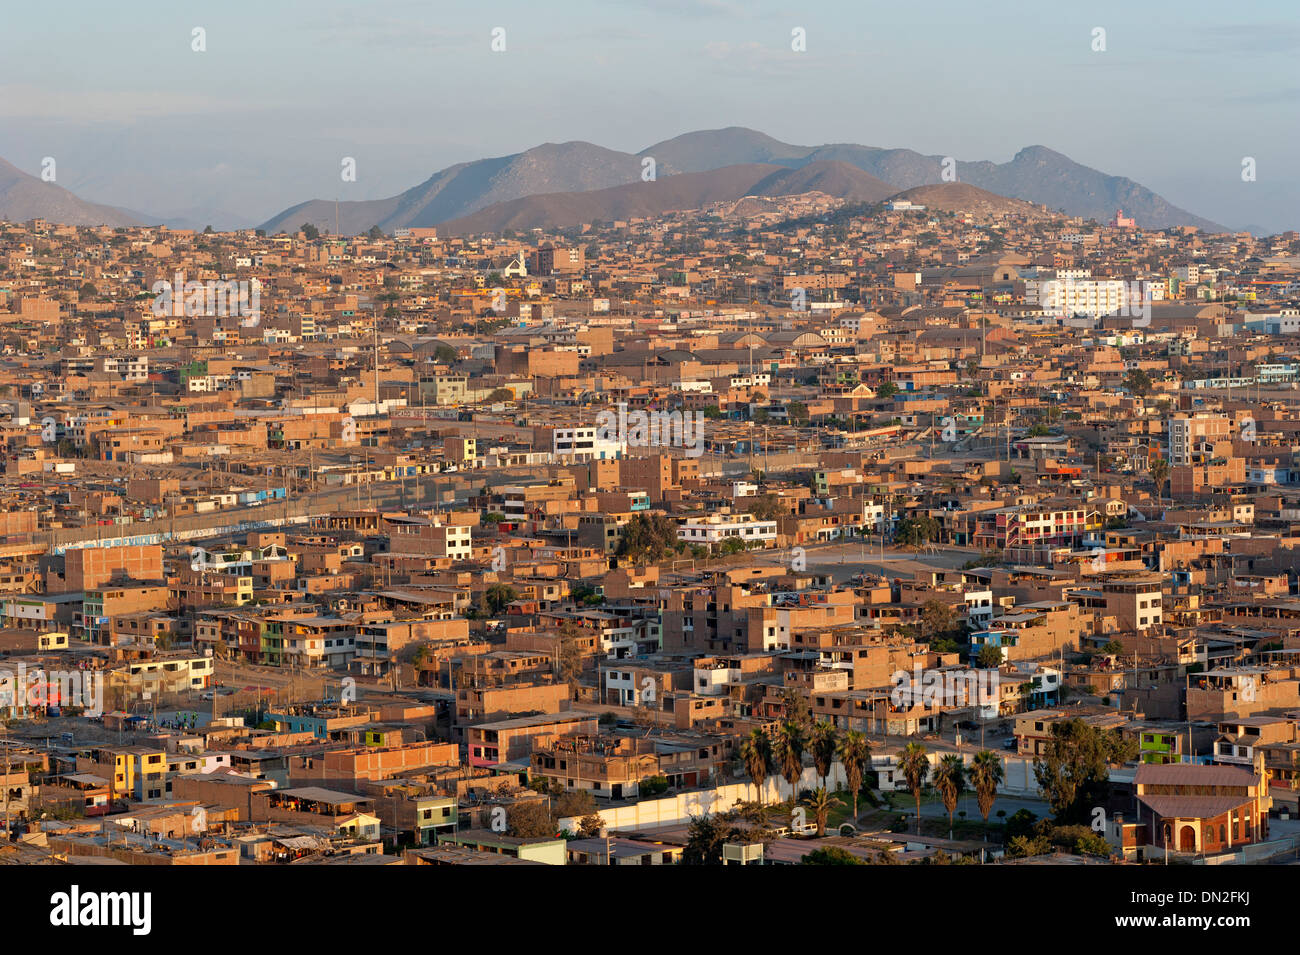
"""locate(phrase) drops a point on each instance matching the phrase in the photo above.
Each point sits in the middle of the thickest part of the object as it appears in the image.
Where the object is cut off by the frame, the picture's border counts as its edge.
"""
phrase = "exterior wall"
(90, 567)
(680, 808)
(374, 763)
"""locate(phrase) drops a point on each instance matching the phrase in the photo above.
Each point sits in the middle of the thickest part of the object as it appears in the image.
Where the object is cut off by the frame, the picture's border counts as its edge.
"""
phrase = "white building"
(1069, 294)
(587, 444)
(715, 528)
(714, 680)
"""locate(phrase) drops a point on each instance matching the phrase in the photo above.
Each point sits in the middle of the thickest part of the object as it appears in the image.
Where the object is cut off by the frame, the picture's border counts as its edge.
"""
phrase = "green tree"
(1073, 771)
(705, 837)
(309, 231)
(1020, 823)
(570, 652)
(795, 706)
(820, 803)
(914, 765)
(950, 781)
(750, 822)
(648, 538)
(1022, 847)
(831, 855)
(499, 596)
(767, 507)
(986, 774)
(824, 743)
(577, 802)
(917, 531)
(756, 754)
(855, 754)
(887, 390)
(529, 819)
(937, 619)
(1159, 475)
(1092, 844)
(989, 657)
(654, 785)
(1138, 382)
(731, 545)
(787, 750)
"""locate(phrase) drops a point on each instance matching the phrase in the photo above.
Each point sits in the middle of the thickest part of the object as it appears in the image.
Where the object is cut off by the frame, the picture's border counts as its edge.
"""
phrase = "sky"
(262, 118)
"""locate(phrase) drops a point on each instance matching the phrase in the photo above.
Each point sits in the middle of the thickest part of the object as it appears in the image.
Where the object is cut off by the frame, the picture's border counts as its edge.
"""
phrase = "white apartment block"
(586, 444)
(718, 527)
(453, 541)
(1067, 295)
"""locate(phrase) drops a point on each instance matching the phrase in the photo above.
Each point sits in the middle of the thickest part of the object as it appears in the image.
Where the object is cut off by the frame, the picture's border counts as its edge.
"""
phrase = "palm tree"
(950, 780)
(985, 774)
(1159, 474)
(789, 754)
(914, 764)
(855, 754)
(756, 752)
(825, 740)
(820, 802)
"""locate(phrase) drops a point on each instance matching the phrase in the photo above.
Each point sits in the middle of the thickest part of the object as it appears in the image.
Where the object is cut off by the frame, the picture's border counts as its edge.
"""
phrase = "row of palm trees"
(951, 778)
(781, 752)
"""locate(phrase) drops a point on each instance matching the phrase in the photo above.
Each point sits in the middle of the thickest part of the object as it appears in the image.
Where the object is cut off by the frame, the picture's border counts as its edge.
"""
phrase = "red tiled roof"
(1188, 774)
(1195, 807)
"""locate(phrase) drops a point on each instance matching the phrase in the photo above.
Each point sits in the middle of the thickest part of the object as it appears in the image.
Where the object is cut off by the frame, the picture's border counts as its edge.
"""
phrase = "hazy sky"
(261, 120)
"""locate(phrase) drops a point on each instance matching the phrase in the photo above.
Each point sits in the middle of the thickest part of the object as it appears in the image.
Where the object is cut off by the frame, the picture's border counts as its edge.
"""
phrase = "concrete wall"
(683, 806)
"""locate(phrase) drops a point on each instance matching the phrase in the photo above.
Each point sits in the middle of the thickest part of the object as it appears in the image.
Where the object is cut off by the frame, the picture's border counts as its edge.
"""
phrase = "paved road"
(384, 494)
(844, 559)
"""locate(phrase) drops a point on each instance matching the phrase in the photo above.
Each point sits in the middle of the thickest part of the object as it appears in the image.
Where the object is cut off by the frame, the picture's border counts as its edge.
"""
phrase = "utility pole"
(1008, 429)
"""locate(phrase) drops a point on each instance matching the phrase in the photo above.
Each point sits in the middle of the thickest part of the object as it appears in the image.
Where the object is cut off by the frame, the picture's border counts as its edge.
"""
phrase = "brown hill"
(560, 210)
(962, 197)
(834, 178)
(23, 197)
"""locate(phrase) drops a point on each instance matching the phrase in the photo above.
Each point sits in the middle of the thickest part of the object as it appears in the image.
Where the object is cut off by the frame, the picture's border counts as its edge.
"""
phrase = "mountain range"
(555, 185)
(1036, 174)
(451, 197)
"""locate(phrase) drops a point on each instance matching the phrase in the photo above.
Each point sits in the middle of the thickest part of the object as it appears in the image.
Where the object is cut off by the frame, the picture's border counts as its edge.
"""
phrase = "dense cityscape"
(688, 434)
(800, 531)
